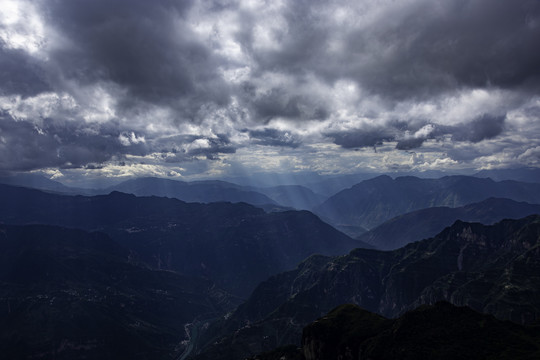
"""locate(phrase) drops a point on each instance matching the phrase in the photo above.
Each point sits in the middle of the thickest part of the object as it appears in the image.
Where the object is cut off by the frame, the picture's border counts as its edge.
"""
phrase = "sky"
(185, 89)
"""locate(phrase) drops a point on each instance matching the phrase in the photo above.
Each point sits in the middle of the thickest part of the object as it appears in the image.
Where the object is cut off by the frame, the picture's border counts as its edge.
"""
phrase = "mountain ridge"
(438, 331)
(236, 245)
(371, 202)
(493, 269)
(425, 223)
(196, 191)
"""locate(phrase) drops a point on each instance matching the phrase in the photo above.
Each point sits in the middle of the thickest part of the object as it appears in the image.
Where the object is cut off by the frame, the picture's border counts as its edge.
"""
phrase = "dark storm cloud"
(144, 46)
(274, 137)
(419, 49)
(361, 138)
(409, 144)
(467, 43)
(282, 102)
(20, 74)
(482, 128)
(235, 69)
(302, 43)
(410, 137)
(27, 146)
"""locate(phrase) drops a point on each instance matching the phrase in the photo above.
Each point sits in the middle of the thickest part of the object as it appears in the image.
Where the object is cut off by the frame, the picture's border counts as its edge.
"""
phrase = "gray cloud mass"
(274, 137)
(26, 146)
(92, 84)
(20, 74)
(144, 47)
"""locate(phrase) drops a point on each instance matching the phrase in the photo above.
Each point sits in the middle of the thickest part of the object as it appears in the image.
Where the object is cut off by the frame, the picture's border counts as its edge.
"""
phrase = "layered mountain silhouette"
(425, 223)
(36, 182)
(69, 294)
(235, 245)
(196, 191)
(151, 277)
(492, 269)
(518, 174)
(372, 202)
(292, 196)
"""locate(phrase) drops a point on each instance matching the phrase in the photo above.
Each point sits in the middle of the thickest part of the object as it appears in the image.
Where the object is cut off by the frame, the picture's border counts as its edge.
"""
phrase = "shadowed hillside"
(492, 269)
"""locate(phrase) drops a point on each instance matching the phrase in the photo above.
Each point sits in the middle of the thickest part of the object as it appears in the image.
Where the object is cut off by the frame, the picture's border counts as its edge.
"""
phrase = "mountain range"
(372, 202)
(525, 174)
(425, 223)
(196, 191)
(492, 269)
(363, 205)
(140, 273)
(235, 245)
(292, 196)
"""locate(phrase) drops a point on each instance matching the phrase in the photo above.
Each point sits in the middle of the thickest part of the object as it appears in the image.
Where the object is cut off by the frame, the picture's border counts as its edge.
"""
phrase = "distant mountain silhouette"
(425, 223)
(492, 269)
(293, 196)
(520, 174)
(69, 294)
(196, 191)
(235, 245)
(372, 202)
(34, 181)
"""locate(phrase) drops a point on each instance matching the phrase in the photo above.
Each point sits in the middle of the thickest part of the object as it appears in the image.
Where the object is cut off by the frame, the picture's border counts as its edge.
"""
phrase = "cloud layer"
(119, 88)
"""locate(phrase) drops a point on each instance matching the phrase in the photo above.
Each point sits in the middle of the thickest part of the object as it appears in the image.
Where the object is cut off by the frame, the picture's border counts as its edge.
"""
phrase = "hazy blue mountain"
(272, 179)
(372, 202)
(351, 230)
(295, 196)
(292, 196)
(235, 245)
(492, 269)
(196, 191)
(333, 184)
(34, 181)
(325, 185)
(519, 174)
(425, 223)
(69, 294)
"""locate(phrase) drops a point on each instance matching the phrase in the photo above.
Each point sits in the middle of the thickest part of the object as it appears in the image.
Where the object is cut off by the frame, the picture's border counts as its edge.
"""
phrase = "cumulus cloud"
(530, 157)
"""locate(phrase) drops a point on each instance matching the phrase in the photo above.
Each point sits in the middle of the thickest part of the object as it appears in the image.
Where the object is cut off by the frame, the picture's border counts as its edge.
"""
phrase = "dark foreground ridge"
(70, 294)
(437, 332)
